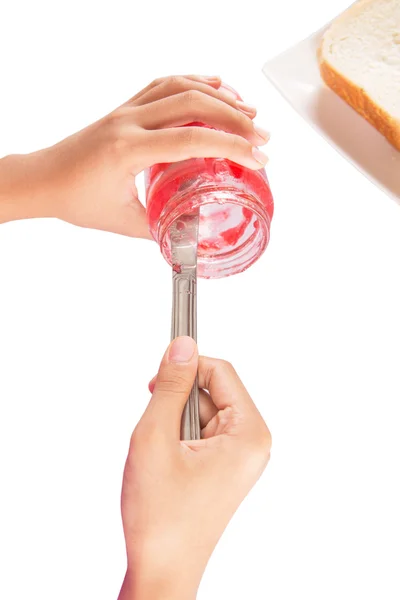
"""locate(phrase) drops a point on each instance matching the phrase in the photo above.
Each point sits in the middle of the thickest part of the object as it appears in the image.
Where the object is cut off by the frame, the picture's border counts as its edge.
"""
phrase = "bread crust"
(360, 101)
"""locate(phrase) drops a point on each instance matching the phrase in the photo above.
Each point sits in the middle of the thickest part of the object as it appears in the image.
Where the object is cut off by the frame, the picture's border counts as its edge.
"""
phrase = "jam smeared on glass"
(235, 207)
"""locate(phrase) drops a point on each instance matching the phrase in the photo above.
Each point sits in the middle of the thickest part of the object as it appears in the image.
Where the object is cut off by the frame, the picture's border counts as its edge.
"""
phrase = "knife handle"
(184, 322)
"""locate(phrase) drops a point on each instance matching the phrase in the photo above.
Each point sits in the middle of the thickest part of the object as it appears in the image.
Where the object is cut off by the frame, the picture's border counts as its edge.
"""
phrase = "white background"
(313, 328)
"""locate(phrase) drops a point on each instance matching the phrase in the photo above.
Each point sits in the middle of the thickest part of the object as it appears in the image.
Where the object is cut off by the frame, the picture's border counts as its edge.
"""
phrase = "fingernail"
(246, 108)
(212, 77)
(259, 156)
(262, 133)
(182, 350)
(152, 383)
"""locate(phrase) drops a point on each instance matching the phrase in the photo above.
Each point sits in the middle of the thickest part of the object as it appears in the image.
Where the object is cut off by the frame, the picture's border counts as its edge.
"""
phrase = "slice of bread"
(359, 59)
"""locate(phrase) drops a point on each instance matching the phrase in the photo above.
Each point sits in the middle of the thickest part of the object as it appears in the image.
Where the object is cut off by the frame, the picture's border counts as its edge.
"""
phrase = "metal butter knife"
(184, 237)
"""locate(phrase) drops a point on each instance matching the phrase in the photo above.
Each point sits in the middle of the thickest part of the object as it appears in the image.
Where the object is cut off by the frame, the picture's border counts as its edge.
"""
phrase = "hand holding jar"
(88, 179)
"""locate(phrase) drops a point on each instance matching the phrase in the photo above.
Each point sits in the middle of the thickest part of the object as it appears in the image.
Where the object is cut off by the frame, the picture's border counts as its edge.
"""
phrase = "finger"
(181, 143)
(219, 424)
(194, 106)
(224, 385)
(212, 81)
(133, 222)
(207, 408)
(175, 379)
(248, 109)
(128, 219)
(179, 85)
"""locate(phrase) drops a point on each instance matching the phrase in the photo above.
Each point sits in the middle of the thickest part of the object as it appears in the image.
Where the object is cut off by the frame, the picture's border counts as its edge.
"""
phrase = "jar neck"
(236, 259)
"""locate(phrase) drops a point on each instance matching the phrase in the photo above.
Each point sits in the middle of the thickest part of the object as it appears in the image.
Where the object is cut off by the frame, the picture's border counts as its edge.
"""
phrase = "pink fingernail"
(262, 133)
(182, 350)
(259, 156)
(246, 108)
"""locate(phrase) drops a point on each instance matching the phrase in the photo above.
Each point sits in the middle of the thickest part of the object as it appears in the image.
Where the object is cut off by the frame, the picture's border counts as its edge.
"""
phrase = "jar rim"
(235, 260)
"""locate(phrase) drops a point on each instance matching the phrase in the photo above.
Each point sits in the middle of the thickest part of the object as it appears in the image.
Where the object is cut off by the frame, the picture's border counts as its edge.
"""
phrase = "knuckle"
(146, 433)
(157, 81)
(195, 96)
(135, 444)
(243, 123)
(266, 439)
(187, 136)
(114, 118)
(136, 450)
(188, 97)
(172, 382)
(137, 436)
(236, 143)
(176, 82)
(255, 452)
(262, 443)
(240, 147)
(227, 366)
(115, 129)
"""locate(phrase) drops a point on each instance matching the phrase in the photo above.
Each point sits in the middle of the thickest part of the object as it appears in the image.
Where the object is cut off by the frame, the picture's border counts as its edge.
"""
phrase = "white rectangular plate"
(295, 74)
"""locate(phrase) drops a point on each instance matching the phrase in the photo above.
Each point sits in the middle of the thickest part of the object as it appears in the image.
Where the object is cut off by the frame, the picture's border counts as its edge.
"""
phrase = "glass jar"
(235, 210)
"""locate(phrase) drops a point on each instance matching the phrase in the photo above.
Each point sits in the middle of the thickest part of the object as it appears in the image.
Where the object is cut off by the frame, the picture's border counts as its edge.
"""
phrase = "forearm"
(24, 188)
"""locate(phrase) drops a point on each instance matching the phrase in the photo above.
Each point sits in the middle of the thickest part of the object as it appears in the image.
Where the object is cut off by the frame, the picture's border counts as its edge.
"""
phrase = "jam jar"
(235, 208)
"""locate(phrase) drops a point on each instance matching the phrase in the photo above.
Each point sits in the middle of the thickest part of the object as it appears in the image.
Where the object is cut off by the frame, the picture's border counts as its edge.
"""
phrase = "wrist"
(155, 588)
(24, 188)
(159, 582)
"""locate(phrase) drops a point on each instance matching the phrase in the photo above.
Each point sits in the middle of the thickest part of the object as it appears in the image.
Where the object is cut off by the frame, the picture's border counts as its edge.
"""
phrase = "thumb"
(133, 221)
(175, 379)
